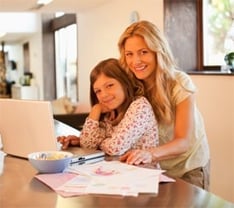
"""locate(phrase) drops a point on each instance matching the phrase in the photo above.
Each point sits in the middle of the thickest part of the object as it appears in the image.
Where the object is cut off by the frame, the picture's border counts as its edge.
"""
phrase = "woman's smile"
(139, 58)
(140, 68)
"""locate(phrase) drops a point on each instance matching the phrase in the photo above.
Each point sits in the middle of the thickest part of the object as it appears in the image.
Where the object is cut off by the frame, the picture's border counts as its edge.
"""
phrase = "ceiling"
(54, 6)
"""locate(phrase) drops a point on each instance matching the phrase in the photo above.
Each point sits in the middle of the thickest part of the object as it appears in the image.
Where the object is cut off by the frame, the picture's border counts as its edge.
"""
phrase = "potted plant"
(229, 59)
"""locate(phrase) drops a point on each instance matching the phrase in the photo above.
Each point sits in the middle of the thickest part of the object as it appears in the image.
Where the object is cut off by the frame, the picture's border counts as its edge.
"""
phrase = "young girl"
(183, 149)
(120, 118)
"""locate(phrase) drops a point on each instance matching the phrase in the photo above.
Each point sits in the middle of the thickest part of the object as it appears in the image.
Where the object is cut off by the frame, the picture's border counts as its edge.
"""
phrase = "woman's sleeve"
(92, 134)
(184, 88)
(131, 128)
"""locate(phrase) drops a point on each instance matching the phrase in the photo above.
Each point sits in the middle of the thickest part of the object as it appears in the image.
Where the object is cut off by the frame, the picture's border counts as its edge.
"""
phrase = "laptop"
(28, 126)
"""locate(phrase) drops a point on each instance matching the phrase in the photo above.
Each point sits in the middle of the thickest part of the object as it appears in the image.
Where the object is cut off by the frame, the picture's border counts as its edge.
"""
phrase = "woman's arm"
(178, 145)
(182, 132)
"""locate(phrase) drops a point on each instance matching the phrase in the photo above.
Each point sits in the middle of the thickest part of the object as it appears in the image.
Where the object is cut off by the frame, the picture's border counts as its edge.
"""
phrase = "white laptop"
(28, 126)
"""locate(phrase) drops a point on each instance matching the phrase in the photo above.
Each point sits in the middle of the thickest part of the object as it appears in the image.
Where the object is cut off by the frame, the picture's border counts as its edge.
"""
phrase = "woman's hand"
(137, 157)
(70, 140)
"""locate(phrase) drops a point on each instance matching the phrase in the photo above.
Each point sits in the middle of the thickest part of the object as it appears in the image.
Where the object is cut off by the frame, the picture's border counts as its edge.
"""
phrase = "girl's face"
(139, 58)
(109, 92)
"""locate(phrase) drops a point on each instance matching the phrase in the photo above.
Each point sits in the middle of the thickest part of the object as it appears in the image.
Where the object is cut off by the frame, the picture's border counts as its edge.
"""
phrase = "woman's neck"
(149, 83)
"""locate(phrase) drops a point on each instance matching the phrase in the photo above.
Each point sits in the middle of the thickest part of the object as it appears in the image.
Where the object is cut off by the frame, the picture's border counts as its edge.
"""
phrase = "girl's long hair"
(159, 92)
(112, 68)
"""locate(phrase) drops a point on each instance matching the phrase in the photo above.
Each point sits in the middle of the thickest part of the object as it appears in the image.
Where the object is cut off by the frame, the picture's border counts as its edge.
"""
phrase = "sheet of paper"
(2, 156)
(110, 168)
(56, 180)
(76, 186)
(114, 177)
(105, 177)
(164, 178)
(128, 184)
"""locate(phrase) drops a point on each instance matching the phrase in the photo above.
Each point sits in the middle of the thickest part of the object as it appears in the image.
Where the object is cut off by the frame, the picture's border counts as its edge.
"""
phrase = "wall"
(98, 33)
(32, 30)
(14, 19)
(36, 61)
(215, 98)
(15, 52)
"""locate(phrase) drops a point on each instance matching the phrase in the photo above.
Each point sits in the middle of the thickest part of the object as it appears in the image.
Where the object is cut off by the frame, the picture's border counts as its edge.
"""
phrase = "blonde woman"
(183, 149)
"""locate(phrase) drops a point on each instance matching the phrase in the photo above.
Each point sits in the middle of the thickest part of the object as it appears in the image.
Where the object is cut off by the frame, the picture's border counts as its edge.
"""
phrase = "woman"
(120, 118)
(183, 149)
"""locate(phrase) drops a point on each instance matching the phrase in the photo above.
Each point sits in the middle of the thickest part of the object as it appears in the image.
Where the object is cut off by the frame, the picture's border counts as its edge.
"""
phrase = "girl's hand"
(102, 108)
(97, 110)
(70, 140)
(137, 157)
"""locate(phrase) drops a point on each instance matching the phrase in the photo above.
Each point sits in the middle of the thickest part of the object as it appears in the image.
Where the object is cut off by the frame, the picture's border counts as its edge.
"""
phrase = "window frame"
(200, 50)
(171, 9)
(50, 23)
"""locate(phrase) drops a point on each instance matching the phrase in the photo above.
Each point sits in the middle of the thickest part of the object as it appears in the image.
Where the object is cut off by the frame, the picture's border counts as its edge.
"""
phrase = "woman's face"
(109, 92)
(139, 58)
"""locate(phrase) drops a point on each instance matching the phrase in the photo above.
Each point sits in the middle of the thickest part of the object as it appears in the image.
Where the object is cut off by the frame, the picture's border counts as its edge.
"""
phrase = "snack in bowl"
(50, 161)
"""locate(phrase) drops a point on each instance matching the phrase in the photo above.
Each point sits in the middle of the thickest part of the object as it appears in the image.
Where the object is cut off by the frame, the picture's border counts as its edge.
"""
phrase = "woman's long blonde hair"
(158, 93)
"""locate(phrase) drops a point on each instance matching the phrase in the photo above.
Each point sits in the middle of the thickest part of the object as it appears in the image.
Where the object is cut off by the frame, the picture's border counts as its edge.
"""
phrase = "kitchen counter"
(19, 188)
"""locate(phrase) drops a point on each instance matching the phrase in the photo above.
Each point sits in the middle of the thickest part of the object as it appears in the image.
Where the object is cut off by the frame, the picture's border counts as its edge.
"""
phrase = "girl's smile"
(109, 92)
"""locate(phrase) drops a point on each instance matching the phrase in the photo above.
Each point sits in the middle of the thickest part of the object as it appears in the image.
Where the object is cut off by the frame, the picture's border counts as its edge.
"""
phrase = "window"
(181, 31)
(66, 56)
(65, 31)
(197, 31)
(218, 30)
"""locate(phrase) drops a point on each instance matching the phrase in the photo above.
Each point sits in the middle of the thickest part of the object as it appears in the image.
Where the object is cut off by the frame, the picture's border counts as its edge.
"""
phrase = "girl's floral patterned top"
(137, 130)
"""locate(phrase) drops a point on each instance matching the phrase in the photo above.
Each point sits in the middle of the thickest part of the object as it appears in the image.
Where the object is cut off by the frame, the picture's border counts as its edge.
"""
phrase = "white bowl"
(50, 161)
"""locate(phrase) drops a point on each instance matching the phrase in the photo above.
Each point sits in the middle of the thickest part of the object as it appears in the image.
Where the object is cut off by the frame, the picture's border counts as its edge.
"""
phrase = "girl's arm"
(138, 119)
(92, 135)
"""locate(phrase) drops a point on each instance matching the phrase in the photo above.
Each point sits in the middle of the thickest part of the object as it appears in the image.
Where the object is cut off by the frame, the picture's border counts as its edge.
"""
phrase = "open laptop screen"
(26, 126)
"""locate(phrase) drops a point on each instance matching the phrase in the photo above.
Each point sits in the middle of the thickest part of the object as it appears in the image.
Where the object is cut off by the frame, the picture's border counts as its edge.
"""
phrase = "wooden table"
(19, 188)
